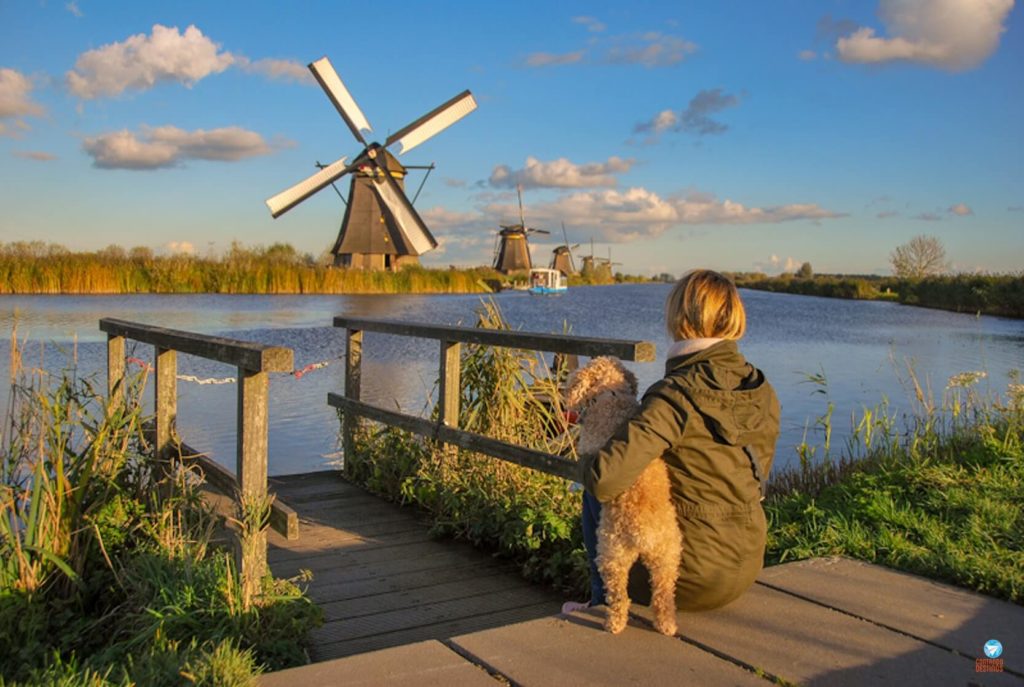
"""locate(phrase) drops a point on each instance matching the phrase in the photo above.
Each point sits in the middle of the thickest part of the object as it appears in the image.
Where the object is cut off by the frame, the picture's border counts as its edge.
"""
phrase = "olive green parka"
(714, 420)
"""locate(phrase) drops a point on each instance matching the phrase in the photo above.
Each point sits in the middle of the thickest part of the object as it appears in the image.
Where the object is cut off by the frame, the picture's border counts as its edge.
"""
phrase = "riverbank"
(38, 268)
(112, 573)
(1000, 295)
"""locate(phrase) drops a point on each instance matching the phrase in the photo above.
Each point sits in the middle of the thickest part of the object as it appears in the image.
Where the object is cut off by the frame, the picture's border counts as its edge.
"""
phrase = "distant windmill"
(513, 250)
(381, 229)
(561, 257)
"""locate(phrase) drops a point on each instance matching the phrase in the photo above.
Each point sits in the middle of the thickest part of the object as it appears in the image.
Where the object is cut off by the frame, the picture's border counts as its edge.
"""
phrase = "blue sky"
(733, 135)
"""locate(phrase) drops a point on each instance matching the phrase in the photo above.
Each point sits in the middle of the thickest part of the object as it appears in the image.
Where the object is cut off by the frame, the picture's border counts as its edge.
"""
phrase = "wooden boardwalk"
(403, 609)
(379, 577)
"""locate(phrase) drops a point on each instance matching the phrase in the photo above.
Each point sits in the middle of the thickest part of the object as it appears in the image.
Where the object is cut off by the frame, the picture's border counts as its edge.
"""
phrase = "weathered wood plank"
(399, 552)
(353, 382)
(441, 591)
(398, 576)
(115, 369)
(953, 618)
(283, 518)
(428, 663)
(245, 354)
(575, 651)
(440, 630)
(640, 351)
(537, 460)
(166, 403)
(346, 629)
(450, 376)
(807, 643)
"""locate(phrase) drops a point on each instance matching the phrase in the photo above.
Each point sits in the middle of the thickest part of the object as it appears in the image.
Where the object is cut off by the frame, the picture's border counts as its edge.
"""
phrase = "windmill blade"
(410, 224)
(433, 122)
(286, 200)
(538, 231)
(342, 99)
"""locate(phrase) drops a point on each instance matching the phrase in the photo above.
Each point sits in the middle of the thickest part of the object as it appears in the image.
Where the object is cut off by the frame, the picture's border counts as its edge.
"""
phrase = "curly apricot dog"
(640, 522)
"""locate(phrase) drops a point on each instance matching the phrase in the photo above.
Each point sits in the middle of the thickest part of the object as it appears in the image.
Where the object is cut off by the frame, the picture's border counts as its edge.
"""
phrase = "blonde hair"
(705, 304)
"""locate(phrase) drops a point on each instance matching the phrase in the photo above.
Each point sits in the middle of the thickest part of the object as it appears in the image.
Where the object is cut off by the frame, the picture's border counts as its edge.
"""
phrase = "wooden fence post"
(115, 370)
(451, 383)
(353, 377)
(251, 469)
(166, 403)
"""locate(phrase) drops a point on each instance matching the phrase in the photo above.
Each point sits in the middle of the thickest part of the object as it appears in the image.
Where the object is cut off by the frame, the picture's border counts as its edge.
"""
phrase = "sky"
(734, 135)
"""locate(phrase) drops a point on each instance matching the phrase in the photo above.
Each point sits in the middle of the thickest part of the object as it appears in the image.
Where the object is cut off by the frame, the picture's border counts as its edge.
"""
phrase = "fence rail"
(254, 362)
(445, 429)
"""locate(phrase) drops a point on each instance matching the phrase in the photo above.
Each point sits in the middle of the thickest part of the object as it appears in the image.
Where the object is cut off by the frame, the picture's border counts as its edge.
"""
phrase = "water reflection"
(863, 349)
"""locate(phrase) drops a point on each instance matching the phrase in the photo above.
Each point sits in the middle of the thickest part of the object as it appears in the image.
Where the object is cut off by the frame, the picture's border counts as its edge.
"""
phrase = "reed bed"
(41, 269)
(110, 567)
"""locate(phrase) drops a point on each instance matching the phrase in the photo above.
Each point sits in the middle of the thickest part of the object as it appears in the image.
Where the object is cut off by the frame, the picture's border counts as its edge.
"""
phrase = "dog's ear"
(576, 387)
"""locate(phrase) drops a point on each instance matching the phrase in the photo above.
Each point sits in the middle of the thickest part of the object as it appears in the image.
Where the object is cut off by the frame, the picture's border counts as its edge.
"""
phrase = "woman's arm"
(654, 429)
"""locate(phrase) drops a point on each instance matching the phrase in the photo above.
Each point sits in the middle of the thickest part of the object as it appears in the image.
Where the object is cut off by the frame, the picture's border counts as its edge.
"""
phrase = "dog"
(640, 522)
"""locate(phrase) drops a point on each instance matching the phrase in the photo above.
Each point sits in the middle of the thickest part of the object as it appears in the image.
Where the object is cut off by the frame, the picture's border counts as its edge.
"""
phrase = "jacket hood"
(731, 395)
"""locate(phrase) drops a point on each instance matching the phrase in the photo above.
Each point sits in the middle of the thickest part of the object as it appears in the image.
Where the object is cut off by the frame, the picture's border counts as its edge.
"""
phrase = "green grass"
(943, 497)
(110, 572)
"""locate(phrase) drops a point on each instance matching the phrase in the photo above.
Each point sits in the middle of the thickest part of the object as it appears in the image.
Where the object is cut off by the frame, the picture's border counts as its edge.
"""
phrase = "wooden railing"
(445, 429)
(254, 362)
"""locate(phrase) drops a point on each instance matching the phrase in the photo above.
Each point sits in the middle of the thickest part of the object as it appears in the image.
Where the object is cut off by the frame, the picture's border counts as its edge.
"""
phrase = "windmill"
(598, 270)
(381, 229)
(561, 257)
(512, 252)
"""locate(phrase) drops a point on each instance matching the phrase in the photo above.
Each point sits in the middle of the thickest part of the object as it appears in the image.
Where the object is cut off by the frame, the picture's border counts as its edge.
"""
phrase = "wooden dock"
(402, 608)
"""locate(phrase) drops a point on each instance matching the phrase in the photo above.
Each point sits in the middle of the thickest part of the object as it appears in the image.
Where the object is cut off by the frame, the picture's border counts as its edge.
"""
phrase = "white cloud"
(560, 173)
(140, 62)
(548, 59)
(776, 265)
(185, 247)
(807, 55)
(15, 102)
(279, 70)
(950, 34)
(695, 118)
(73, 8)
(593, 25)
(623, 216)
(961, 209)
(168, 146)
(651, 49)
(36, 155)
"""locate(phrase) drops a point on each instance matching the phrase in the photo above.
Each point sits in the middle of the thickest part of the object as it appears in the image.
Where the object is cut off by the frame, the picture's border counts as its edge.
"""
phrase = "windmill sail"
(286, 200)
(342, 99)
(433, 122)
(414, 232)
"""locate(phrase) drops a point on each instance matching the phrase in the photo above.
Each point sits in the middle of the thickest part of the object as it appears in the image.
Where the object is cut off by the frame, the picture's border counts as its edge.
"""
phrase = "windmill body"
(381, 229)
(513, 251)
(370, 238)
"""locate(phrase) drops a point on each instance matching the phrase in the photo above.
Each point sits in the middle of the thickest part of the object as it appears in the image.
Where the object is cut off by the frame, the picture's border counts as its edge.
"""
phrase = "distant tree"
(805, 271)
(140, 254)
(665, 277)
(921, 256)
(281, 252)
(113, 252)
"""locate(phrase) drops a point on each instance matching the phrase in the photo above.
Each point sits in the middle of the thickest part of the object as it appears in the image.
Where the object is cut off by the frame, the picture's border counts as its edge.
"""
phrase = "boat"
(546, 281)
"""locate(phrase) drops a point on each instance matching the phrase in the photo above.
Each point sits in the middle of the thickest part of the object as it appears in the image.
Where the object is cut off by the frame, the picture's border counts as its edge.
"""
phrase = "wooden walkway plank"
(441, 630)
(474, 602)
(356, 583)
(575, 650)
(809, 644)
(429, 663)
(955, 619)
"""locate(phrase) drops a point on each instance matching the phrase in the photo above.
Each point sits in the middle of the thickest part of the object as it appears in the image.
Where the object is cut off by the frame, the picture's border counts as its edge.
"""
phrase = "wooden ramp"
(402, 609)
(379, 577)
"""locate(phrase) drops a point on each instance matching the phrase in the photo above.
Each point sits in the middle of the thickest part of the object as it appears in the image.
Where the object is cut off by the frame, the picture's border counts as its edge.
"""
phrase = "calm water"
(862, 348)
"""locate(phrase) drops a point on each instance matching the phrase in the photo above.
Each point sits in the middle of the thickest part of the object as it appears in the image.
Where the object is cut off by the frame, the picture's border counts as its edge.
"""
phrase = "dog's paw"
(666, 627)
